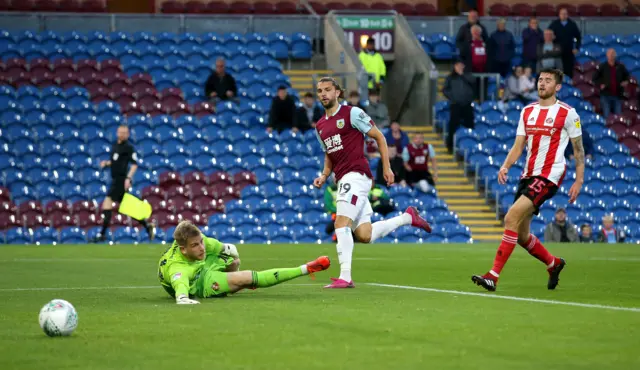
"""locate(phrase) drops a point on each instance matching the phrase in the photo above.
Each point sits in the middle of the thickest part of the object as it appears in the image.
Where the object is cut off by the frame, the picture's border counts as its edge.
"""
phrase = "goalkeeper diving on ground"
(196, 266)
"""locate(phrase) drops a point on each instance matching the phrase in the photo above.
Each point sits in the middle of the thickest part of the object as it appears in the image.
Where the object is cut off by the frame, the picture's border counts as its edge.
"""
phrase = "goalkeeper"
(198, 266)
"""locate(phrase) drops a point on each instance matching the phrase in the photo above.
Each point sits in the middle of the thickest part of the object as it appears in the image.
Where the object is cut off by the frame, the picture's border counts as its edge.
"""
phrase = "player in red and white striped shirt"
(545, 128)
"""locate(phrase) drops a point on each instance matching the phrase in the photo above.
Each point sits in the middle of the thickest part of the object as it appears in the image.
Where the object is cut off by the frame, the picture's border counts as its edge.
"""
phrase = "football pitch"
(414, 307)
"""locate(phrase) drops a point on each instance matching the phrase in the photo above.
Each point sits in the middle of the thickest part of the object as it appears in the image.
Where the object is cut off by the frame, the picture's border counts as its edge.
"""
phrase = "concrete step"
(463, 208)
(461, 194)
(486, 222)
(448, 164)
(464, 201)
(495, 230)
(454, 180)
(476, 215)
(453, 187)
(455, 172)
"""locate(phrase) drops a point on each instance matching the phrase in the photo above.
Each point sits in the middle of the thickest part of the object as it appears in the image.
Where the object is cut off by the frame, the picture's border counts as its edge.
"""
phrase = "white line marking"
(511, 298)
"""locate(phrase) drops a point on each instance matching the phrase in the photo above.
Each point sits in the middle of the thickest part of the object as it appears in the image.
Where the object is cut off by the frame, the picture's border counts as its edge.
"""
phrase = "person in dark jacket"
(569, 38)
(586, 234)
(283, 110)
(459, 88)
(502, 48)
(220, 84)
(308, 114)
(532, 37)
(549, 53)
(611, 77)
(463, 38)
(586, 142)
(560, 230)
(397, 166)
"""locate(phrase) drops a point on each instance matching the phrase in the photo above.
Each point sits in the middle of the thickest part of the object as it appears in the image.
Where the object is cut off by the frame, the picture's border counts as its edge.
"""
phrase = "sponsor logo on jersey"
(531, 119)
(340, 123)
(176, 276)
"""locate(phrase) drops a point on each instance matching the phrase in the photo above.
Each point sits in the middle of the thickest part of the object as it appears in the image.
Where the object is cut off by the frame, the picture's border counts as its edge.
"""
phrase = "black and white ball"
(58, 318)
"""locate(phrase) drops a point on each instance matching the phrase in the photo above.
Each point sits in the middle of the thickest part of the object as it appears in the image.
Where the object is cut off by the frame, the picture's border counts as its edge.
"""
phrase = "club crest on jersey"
(176, 276)
(340, 123)
(215, 286)
(549, 120)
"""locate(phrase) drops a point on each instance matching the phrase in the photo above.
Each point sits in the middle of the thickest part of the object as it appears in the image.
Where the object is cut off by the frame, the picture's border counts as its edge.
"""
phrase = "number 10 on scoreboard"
(358, 39)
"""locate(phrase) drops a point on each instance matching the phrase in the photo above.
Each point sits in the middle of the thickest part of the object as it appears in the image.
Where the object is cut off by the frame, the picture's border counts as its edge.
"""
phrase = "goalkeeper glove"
(184, 299)
(230, 250)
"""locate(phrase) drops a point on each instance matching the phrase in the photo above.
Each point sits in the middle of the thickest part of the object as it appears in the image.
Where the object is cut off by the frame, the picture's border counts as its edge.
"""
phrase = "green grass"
(300, 326)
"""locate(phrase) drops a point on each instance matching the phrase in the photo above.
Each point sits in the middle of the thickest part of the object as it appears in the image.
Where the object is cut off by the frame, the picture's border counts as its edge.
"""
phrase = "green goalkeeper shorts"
(212, 283)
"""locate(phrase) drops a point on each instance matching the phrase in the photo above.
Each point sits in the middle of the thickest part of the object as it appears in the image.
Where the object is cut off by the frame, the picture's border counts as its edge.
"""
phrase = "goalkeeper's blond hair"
(185, 231)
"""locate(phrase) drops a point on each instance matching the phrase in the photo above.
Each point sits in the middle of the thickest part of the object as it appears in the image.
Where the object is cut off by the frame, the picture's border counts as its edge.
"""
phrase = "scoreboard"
(359, 28)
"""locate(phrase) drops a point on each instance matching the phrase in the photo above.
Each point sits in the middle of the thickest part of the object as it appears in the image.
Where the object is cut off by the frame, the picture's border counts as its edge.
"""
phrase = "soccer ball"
(58, 318)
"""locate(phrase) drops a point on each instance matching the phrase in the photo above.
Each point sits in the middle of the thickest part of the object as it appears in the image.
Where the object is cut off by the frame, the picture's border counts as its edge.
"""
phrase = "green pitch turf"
(127, 322)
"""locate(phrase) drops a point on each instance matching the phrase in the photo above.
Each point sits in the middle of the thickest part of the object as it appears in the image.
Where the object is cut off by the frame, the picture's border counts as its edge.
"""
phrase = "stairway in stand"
(458, 191)
(302, 79)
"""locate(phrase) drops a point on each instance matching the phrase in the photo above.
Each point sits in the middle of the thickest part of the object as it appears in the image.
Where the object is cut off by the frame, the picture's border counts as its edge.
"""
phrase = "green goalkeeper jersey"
(178, 275)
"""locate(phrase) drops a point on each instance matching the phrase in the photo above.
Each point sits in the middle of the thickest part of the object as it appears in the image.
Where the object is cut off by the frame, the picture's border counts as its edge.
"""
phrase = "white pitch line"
(511, 298)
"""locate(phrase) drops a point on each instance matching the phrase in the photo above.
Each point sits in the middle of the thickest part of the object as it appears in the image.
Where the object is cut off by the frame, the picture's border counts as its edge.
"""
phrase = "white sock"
(494, 273)
(424, 186)
(304, 270)
(345, 252)
(382, 228)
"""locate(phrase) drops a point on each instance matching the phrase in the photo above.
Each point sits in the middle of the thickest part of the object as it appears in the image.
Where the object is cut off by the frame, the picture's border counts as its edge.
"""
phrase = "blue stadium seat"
(19, 236)
(45, 235)
(72, 235)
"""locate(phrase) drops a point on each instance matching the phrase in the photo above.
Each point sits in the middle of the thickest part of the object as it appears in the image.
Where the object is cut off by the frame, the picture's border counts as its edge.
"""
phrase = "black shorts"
(414, 177)
(538, 189)
(117, 190)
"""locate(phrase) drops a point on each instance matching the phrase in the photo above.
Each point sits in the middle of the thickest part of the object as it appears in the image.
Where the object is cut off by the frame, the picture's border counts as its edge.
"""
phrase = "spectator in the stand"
(283, 110)
(373, 63)
(478, 51)
(354, 100)
(463, 38)
(568, 36)
(377, 110)
(220, 85)
(532, 37)
(459, 89)
(502, 48)
(380, 201)
(520, 87)
(587, 142)
(396, 137)
(308, 114)
(397, 166)
(586, 234)
(609, 233)
(549, 53)
(560, 230)
(611, 77)
(420, 162)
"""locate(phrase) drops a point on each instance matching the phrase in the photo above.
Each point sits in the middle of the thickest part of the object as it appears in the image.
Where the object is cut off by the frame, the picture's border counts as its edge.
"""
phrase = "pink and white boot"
(417, 220)
(340, 284)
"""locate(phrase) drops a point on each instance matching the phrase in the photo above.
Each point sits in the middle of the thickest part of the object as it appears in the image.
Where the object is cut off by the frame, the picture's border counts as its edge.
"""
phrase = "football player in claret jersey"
(545, 128)
(341, 132)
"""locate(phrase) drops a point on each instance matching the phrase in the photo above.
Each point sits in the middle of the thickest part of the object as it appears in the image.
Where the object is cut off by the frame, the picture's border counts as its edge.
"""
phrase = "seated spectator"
(283, 110)
(220, 85)
(354, 100)
(611, 77)
(416, 157)
(520, 87)
(502, 48)
(586, 234)
(587, 144)
(609, 234)
(561, 230)
(380, 201)
(377, 110)
(397, 166)
(371, 148)
(549, 53)
(459, 88)
(396, 137)
(308, 114)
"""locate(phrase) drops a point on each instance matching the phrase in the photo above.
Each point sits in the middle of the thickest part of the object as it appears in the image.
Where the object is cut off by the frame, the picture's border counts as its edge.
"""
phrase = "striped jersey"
(548, 130)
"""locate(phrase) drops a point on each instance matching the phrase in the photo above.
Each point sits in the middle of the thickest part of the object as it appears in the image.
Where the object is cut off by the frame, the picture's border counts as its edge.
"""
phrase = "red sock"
(536, 249)
(509, 240)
